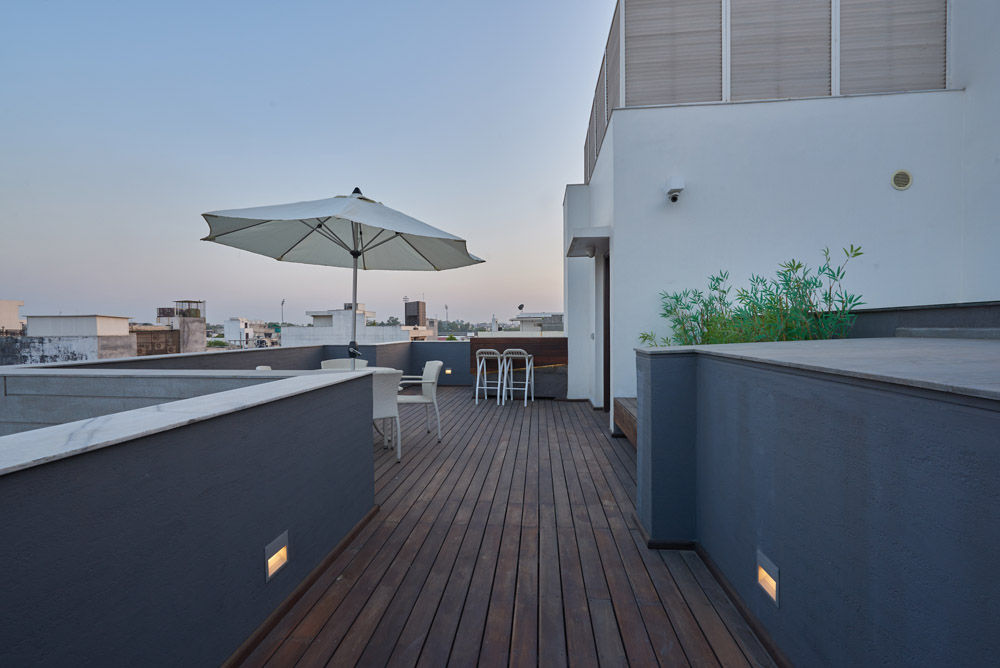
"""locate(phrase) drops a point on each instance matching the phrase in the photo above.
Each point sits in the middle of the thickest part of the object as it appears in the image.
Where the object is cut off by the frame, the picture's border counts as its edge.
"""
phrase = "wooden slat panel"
(780, 49)
(626, 413)
(548, 350)
(673, 51)
(601, 108)
(892, 45)
(613, 58)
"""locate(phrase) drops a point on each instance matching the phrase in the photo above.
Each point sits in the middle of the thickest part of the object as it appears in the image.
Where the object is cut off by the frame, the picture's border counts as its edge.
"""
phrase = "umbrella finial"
(357, 191)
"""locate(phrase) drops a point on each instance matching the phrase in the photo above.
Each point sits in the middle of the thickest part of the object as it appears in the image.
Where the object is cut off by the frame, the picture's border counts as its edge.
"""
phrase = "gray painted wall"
(878, 504)
(873, 323)
(454, 354)
(151, 552)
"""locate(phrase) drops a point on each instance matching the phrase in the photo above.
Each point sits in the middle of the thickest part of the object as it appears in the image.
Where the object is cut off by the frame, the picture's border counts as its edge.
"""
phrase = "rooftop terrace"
(513, 540)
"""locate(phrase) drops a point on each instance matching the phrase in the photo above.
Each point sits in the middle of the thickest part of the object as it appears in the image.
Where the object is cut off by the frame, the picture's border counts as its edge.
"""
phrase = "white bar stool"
(507, 371)
(482, 379)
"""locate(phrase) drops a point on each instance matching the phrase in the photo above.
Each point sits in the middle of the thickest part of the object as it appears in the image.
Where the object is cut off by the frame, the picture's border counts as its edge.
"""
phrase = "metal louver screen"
(600, 107)
(892, 45)
(673, 51)
(613, 57)
(779, 49)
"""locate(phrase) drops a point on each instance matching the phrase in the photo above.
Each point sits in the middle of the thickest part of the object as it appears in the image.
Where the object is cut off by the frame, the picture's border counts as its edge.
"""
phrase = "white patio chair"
(428, 392)
(509, 383)
(263, 367)
(385, 385)
(342, 364)
(483, 357)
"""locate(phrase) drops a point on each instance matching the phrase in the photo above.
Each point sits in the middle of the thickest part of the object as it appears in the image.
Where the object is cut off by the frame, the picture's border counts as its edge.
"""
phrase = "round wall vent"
(902, 180)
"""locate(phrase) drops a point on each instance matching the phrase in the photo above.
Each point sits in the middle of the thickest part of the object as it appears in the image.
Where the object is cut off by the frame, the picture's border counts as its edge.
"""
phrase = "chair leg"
(427, 417)
(399, 441)
(437, 416)
(385, 434)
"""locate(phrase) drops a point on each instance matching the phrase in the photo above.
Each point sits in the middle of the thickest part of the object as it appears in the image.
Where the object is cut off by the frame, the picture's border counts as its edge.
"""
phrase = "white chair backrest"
(385, 387)
(263, 367)
(341, 364)
(488, 353)
(432, 370)
(519, 353)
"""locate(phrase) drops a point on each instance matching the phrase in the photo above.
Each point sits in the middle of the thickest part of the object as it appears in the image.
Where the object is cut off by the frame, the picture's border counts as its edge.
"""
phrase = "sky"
(121, 122)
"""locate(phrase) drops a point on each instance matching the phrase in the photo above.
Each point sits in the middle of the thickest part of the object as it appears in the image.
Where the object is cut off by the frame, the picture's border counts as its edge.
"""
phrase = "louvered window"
(892, 45)
(673, 51)
(779, 48)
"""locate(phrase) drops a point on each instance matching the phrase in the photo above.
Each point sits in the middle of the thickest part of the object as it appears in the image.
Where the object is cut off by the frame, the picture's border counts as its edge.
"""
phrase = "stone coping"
(958, 366)
(40, 446)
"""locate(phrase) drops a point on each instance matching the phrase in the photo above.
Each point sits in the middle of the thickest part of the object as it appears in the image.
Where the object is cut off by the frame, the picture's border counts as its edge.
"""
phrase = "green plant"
(797, 304)
(216, 343)
(451, 337)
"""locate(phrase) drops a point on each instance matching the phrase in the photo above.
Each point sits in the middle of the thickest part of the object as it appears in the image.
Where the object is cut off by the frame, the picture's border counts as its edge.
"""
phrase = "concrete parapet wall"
(875, 496)
(150, 551)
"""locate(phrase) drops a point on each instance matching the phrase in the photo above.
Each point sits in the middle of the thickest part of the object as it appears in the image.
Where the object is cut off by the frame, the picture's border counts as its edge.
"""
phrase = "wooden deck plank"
(513, 541)
(725, 648)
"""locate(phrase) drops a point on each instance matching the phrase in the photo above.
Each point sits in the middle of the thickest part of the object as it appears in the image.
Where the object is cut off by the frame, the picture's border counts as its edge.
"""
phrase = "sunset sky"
(122, 122)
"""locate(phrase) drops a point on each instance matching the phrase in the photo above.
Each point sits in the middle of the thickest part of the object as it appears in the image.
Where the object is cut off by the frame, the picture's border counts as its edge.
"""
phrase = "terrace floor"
(513, 541)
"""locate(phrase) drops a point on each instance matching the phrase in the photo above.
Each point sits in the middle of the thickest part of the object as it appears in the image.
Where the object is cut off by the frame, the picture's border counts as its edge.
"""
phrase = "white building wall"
(313, 336)
(769, 181)
(77, 325)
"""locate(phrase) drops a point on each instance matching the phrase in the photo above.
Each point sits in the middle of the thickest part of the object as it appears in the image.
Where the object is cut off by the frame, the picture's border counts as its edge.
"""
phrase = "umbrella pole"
(352, 348)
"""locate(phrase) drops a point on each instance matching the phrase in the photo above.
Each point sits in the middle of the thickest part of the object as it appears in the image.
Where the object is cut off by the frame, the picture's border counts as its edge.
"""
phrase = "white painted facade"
(768, 181)
(77, 325)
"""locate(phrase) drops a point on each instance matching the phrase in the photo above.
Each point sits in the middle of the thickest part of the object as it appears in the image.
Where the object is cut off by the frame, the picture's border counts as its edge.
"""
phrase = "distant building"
(415, 313)
(66, 338)
(243, 333)
(10, 318)
(540, 322)
(333, 327)
(179, 329)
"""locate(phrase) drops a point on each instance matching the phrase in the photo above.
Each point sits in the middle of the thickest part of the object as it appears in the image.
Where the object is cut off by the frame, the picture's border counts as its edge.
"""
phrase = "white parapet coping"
(39, 446)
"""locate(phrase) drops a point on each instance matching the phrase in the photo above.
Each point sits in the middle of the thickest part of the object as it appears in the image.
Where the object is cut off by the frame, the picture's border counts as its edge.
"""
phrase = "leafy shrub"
(795, 305)
(216, 343)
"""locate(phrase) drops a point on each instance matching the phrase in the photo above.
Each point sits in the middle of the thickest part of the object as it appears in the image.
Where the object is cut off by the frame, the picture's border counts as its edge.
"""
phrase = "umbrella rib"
(368, 246)
(326, 234)
(292, 247)
(372, 246)
(418, 252)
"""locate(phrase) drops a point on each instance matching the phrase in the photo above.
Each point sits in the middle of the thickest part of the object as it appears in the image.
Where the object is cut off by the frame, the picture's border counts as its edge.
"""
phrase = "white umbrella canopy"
(343, 231)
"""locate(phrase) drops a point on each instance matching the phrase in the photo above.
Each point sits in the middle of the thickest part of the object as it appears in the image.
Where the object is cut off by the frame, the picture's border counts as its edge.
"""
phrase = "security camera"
(675, 186)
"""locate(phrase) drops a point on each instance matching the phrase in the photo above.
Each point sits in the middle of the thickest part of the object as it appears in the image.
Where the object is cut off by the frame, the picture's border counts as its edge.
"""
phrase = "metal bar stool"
(482, 378)
(510, 384)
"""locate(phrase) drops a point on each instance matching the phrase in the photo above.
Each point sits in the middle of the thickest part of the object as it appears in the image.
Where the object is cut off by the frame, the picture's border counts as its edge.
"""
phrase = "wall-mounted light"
(276, 554)
(767, 576)
(675, 186)
(447, 372)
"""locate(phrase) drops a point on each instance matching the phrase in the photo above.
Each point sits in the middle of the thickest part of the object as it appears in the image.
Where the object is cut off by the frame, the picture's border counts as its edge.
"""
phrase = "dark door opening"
(607, 333)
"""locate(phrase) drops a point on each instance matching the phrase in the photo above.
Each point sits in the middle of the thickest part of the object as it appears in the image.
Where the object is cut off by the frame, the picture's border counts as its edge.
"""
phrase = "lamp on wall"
(674, 188)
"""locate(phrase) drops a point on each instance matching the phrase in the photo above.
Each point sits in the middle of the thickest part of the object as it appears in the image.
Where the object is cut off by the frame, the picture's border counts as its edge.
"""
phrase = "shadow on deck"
(514, 540)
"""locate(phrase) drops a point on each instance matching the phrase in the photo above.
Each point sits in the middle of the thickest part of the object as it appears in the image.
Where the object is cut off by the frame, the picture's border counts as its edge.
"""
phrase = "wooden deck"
(513, 541)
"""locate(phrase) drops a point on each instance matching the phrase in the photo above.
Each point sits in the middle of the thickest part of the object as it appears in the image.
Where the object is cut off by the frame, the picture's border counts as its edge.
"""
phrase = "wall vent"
(902, 180)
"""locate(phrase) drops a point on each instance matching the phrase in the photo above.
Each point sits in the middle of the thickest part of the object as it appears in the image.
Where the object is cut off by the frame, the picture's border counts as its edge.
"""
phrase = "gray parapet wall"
(138, 539)
(865, 471)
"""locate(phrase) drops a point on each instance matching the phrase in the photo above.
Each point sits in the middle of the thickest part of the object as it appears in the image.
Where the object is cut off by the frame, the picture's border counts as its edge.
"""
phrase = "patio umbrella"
(343, 231)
